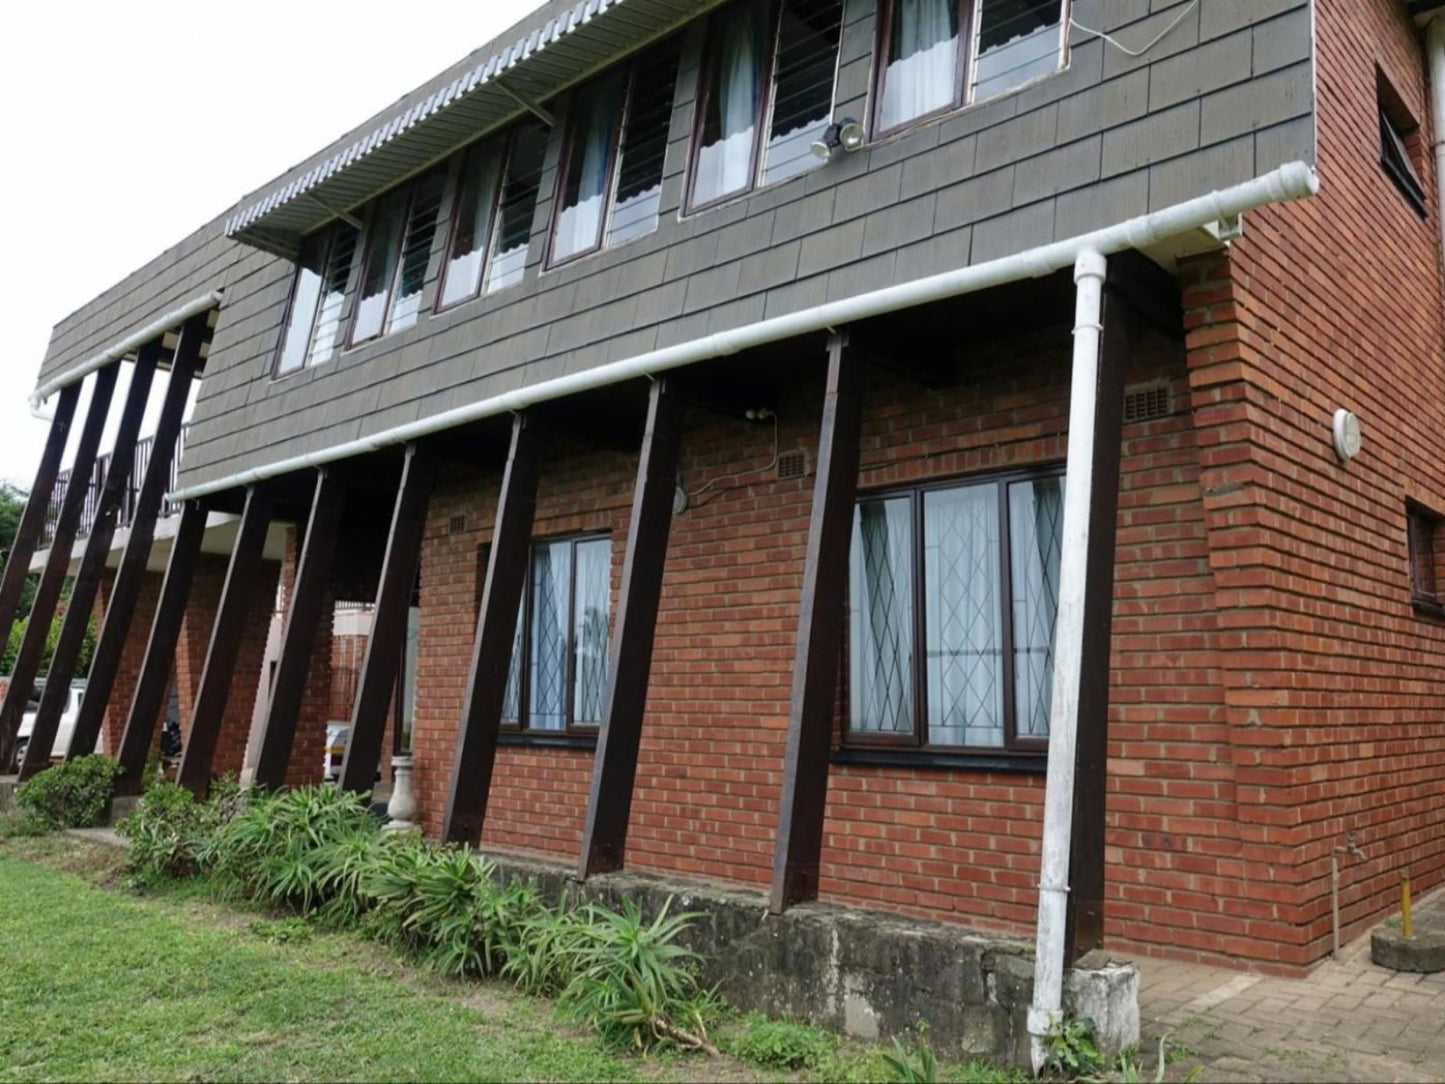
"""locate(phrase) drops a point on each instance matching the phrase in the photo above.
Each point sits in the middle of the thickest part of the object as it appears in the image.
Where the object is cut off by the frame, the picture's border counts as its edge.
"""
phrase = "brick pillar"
(308, 748)
(132, 656)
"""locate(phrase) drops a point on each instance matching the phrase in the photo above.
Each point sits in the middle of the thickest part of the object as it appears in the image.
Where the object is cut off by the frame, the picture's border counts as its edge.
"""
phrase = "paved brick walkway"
(1346, 1021)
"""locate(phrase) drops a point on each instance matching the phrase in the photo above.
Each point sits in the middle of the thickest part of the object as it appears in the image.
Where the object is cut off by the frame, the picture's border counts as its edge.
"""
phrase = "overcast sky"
(132, 124)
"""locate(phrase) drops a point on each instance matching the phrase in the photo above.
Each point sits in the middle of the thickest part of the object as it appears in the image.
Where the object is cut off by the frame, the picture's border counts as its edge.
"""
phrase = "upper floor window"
(492, 221)
(611, 179)
(953, 594)
(398, 247)
(939, 54)
(766, 93)
(1399, 144)
(562, 633)
(313, 319)
(1427, 558)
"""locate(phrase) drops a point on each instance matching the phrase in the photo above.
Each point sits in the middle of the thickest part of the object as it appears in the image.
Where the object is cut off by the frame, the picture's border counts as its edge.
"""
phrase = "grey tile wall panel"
(1109, 138)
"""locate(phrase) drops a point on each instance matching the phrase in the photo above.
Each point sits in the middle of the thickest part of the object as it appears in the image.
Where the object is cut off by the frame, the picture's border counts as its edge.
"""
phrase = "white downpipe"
(133, 341)
(1435, 47)
(1294, 180)
(1068, 653)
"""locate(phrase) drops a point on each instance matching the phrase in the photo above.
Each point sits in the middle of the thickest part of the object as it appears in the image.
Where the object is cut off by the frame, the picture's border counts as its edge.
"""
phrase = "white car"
(338, 735)
(63, 732)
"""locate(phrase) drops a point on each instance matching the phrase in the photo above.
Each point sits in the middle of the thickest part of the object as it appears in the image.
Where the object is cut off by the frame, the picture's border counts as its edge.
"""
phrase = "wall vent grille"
(792, 464)
(1146, 404)
(457, 524)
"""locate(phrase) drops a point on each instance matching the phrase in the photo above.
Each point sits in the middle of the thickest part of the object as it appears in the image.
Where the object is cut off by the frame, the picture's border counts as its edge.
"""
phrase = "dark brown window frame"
(504, 144)
(331, 231)
(368, 242)
(564, 171)
(763, 119)
(519, 727)
(1424, 542)
(862, 746)
(1394, 144)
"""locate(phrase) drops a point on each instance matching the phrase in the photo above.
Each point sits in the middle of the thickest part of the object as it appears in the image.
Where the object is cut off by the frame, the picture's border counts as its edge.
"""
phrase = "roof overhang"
(588, 36)
(1424, 10)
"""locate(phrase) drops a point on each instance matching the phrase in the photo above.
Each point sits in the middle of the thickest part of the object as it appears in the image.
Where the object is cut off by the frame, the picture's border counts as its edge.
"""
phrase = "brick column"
(132, 656)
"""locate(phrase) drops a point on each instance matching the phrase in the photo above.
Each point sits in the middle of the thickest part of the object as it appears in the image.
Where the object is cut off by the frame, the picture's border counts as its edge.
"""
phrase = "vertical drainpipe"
(1089, 271)
(1435, 50)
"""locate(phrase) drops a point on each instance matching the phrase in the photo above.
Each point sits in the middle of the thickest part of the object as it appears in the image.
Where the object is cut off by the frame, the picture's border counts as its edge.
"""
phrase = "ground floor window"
(1427, 558)
(953, 594)
(558, 675)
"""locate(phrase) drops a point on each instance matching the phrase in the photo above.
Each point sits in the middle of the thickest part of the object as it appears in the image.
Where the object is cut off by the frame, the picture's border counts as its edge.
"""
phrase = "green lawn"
(99, 985)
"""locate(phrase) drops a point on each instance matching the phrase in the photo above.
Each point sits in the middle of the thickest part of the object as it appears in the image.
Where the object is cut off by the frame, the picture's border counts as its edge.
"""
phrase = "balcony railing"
(88, 511)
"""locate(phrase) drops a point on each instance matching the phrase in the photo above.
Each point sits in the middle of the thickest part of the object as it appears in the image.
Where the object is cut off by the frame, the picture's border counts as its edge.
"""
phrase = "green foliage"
(72, 794)
(780, 1044)
(169, 829)
(21, 824)
(1070, 1050)
(52, 637)
(916, 1066)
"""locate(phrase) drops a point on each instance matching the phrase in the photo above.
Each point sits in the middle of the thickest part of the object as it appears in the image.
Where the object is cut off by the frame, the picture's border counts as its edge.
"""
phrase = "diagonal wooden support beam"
(131, 575)
(388, 624)
(820, 633)
(614, 769)
(86, 584)
(155, 671)
(237, 597)
(1084, 922)
(57, 565)
(32, 520)
(476, 749)
(313, 576)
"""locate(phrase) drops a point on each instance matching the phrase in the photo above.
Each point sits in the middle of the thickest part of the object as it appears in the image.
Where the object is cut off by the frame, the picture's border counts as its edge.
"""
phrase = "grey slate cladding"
(1226, 96)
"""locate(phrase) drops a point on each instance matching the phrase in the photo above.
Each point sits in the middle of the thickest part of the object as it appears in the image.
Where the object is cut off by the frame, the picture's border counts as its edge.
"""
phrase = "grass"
(100, 984)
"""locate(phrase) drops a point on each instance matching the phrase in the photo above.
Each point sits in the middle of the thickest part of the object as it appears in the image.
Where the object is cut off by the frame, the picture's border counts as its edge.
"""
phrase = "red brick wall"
(308, 744)
(117, 708)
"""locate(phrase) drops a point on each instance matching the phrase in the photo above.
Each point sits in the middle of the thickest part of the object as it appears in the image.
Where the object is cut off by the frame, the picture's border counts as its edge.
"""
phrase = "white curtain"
(724, 165)
(579, 226)
(923, 65)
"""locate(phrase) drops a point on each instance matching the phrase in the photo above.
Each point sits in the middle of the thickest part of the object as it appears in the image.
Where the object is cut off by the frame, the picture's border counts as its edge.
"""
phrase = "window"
(313, 320)
(1399, 143)
(562, 637)
(1427, 555)
(953, 593)
(770, 69)
(611, 180)
(939, 54)
(398, 246)
(492, 221)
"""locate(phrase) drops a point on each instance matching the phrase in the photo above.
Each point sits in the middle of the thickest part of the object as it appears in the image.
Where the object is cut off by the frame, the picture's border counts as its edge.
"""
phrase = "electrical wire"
(733, 478)
(1141, 51)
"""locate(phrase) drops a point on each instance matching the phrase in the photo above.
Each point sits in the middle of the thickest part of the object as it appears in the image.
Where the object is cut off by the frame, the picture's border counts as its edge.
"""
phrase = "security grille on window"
(611, 181)
(953, 594)
(1427, 555)
(398, 245)
(491, 228)
(767, 93)
(940, 54)
(562, 636)
(313, 320)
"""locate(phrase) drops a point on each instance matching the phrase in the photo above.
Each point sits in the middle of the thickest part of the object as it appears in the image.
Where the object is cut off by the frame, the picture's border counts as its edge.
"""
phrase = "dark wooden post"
(32, 520)
(313, 574)
(86, 585)
(57, 565)
(237, 597)
(614, 769)
(1084, 924)
(155, 671)
(820, 634)
(131, 575)
(388, 624)
(476, 750)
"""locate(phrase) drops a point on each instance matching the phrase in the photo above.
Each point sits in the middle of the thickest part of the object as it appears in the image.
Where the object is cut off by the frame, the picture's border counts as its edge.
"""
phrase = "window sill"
(1023, 763)
(1426, 608)
(547, 741)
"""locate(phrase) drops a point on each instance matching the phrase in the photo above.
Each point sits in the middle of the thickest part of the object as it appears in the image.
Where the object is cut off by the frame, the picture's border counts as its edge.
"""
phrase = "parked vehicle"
(63, 733)
(338, 736)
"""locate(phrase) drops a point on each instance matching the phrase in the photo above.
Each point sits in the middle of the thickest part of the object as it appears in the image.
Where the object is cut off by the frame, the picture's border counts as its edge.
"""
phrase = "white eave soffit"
(587, 37)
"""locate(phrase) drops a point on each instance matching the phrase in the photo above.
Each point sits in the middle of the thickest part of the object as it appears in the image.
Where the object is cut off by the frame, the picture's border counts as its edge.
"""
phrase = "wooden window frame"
(571, 728)
(916, 743)
(506, 144)
(1395, 141)
(330, 248)
(412, 188)
(614, 165)
(1424, 525)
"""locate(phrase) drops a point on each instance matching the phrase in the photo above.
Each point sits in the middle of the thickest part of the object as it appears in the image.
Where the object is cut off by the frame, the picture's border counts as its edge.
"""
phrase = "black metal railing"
(143, 450)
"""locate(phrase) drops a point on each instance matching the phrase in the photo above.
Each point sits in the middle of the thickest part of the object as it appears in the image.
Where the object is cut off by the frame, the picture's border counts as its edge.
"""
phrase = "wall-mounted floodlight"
(846, 133)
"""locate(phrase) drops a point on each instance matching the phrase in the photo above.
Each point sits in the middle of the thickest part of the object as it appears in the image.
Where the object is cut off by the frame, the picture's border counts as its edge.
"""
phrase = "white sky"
(129, 125)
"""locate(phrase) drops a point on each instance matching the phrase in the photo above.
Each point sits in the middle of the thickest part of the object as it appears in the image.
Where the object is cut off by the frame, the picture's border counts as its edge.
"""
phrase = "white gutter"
(1294, 180)
(1047, 1005)
(130, 343)
(1435, 48)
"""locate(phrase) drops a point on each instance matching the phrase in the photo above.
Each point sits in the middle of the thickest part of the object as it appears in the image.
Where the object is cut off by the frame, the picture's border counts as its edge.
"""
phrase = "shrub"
(21, 824)
(72, 794)
(780, 1044)
(169, 830)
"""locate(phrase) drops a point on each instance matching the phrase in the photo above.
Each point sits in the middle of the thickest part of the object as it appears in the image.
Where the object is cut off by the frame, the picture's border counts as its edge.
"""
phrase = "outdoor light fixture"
(846, 133)
(1346, 434)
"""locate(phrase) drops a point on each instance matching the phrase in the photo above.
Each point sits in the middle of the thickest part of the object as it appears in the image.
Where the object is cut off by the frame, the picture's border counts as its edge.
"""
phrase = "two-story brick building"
(886, 451)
